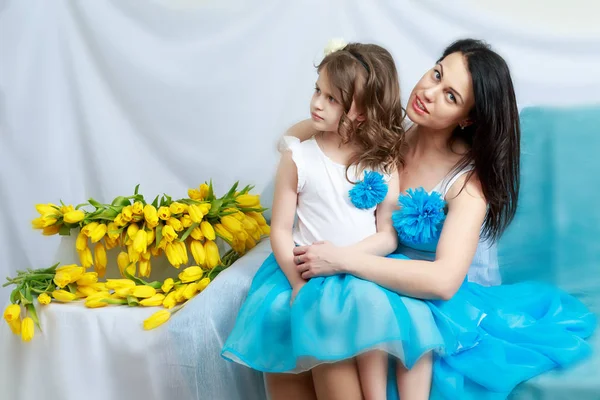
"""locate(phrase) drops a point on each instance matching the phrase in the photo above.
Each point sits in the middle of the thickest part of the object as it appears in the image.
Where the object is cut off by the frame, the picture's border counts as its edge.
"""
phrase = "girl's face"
(444, 96)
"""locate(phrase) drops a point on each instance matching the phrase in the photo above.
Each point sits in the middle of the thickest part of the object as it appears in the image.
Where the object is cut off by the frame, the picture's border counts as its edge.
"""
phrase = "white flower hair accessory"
(333, 46)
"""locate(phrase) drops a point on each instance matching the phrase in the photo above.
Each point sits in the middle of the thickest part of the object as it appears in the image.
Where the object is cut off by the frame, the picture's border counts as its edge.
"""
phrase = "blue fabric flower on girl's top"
(370, 191)
(419, 216)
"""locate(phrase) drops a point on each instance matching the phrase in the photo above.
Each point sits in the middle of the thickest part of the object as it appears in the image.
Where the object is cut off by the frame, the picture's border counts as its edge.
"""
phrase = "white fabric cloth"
(324, 209)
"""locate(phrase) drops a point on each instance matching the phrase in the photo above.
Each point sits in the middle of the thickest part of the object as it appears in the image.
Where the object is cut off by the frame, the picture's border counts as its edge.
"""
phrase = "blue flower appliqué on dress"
(420, 214)
(369, 192)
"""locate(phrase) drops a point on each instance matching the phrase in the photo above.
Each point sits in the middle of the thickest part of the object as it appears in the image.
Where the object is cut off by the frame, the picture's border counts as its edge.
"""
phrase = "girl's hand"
(318, 259)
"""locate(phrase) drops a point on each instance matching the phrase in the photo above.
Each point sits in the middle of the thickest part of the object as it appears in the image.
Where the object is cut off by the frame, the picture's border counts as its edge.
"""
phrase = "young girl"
(342, 186)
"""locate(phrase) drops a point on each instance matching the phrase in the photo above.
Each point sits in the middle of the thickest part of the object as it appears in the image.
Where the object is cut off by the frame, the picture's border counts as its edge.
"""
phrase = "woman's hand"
(318, 259)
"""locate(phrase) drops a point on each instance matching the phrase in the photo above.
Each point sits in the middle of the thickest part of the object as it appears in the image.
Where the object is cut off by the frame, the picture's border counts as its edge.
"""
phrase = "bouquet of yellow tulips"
(142, 230)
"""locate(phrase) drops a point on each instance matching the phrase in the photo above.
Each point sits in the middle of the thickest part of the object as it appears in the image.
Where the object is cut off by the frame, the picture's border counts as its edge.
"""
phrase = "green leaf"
(14, 295)
(120, 201)
(78, 206)
(232, 190)
(132, 301)
(158, 236)
(72, 287)
(95, 203)
(28, 294)
(215, 207)
(22, 297)
(136, 189)
(64, 230)
(155, 202)
(33, 314)
(215, 271)
(115, 301)
(211, 193)
(137, 280)
(188, 231)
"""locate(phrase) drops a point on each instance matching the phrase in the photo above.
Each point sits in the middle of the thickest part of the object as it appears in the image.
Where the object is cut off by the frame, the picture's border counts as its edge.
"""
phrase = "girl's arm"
(385, 240)
(282, 220)
(438, 279)
(303, 130)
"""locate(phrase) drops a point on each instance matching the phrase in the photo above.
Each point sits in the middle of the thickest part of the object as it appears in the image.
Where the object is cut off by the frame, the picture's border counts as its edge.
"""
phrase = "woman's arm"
(303, 130)
(282, 220)
(385, 240)
(438, 279)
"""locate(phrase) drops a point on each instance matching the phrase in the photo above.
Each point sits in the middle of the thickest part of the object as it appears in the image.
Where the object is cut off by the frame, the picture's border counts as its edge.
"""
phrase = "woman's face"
(444, 96)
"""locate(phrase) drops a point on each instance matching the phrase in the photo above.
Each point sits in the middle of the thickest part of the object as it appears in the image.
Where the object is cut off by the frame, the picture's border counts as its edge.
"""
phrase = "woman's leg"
(338, 381)
(372, 370)
(291, 386)
(415, 384)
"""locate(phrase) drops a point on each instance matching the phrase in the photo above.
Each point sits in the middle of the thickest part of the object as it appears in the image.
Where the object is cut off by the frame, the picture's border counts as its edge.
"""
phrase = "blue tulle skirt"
(485, 340)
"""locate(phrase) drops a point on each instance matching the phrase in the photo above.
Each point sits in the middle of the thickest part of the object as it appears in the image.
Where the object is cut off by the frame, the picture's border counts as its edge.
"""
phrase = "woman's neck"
(426, 141)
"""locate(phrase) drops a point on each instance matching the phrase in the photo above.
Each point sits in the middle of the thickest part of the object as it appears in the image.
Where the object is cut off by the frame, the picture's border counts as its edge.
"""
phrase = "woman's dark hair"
(494, 136)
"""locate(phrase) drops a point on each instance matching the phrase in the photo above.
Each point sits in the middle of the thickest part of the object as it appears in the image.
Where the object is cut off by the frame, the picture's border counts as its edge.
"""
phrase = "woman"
(464, 146)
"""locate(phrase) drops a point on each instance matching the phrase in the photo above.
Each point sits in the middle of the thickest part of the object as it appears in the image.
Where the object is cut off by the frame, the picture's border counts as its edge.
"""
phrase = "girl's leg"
(415, 384)
(291, 386)
(338, 381)
(372, 369)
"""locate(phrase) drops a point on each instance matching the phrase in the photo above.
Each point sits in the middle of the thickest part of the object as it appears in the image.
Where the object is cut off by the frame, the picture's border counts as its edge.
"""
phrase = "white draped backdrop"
(98, 96)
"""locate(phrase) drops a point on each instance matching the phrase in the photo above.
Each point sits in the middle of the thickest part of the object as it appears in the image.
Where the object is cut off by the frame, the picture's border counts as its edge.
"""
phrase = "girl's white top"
(324, 209)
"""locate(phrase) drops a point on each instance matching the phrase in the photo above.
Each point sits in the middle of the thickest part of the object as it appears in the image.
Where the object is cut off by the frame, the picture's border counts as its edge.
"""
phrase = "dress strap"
(451, 179)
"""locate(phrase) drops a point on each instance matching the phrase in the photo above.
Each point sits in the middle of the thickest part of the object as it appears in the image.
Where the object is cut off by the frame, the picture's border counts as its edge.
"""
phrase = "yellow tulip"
(169, 301)
(140, 242)
(63, 296)
(202, 284)
(12, 312)
(168, 233)
(164, 213)
(132, 230)
(167, 285)
(255, 235)
(150, 236)
(175, 224)
(81, 242)
(213, 257)
(248, 201)
(89, 278)
(198, 252)
(239, 246)
(73, 217)
(15, 326)
(182, 250)
(145, 268)
(127, 213)
(194, 194)
(204, 191)
(123, 292)
(119, 283)
(150, 215)
(86, 290)
(186, 221)
(195, 213)
(156, 250)
(112, 230)
(67, 267)
(207, 230)
(100, 260)
(143, 292)
(88, 228)
(265, 230)
(190, 291)
(176, 208)
(197, 233)
(138, 208)
(157, 319)
(122, 261)
(179, 293)
(131, 269)
(98, 233)
(66, 209)
(44, 299)
(258, 217)
(27, 329)
(134, 256)
(100, 287)
(46, 208)
(173, 256)
(37, 223)
(224, 233)
(191, 274)
(50, 230)
(153, 301)
(62, 279)
(231, 223)
(250, 243)
(96, 302)
(204, 207)
(241, 235)
(85, 257)
(235, 213)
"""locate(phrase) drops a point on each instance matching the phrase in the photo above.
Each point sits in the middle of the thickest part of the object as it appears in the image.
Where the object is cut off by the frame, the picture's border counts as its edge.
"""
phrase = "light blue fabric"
(559, 220)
